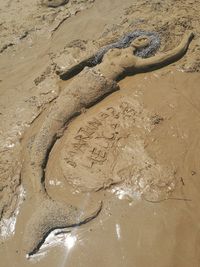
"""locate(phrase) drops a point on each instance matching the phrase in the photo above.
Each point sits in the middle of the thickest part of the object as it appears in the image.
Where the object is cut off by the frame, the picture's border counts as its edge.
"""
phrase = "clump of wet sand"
(54, 3)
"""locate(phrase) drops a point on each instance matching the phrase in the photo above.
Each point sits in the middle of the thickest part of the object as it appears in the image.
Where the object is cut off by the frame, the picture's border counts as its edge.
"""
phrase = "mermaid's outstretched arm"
(166, 58)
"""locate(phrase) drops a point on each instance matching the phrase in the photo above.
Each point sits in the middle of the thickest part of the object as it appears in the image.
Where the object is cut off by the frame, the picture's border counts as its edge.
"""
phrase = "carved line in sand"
(107, 149)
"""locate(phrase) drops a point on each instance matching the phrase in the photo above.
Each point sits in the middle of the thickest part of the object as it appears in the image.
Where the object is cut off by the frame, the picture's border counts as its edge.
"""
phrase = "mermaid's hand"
(190, 35)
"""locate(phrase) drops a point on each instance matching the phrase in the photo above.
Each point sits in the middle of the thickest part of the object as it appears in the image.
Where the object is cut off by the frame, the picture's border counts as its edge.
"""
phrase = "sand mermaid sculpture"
(88, 87)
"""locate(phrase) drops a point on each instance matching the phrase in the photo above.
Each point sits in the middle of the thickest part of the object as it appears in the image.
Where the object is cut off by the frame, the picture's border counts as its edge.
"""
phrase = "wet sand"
(150, 205)
(132, 228)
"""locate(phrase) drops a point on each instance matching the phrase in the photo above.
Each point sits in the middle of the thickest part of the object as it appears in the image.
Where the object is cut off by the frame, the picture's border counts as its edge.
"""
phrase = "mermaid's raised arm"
(166, 58)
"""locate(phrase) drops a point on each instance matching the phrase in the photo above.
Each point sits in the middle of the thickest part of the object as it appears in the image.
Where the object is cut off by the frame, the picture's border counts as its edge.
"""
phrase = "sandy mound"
(105, 146)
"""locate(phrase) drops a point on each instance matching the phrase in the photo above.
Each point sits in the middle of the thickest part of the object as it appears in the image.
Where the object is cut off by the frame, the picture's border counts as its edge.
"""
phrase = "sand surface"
(142, 157)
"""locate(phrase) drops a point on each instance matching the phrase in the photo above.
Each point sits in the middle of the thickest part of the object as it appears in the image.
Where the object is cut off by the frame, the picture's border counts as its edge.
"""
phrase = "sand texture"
(99, 164)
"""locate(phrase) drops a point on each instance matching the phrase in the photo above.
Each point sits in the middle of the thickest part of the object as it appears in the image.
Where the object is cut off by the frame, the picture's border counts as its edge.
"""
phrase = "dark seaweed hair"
(126, 40)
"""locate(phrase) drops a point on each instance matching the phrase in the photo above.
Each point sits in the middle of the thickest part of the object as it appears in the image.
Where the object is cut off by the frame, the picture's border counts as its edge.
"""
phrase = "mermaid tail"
(52, 215)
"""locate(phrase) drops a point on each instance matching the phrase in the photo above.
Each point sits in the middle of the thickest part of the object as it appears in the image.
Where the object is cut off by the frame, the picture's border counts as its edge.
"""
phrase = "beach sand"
(142, 160)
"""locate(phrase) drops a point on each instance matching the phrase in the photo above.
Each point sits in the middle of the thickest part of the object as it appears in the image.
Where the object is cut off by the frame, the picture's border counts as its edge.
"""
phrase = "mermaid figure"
(88, 87)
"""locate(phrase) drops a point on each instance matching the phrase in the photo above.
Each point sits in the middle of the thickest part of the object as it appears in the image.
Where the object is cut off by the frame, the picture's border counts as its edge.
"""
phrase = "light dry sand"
(159, 132)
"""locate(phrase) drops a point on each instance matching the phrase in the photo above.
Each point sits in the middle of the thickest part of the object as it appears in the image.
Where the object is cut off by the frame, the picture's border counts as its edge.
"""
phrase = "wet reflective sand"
(147, 171)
